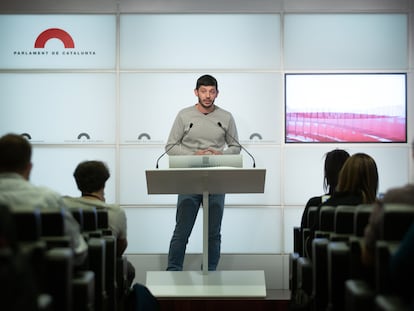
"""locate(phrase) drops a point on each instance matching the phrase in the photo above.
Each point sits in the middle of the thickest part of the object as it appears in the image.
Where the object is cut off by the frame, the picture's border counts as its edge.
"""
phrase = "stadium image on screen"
(345, 107)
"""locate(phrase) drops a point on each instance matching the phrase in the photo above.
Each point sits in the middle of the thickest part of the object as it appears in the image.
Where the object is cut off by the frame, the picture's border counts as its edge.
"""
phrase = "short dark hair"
(91, 176)
(206, 80)
(15, 153)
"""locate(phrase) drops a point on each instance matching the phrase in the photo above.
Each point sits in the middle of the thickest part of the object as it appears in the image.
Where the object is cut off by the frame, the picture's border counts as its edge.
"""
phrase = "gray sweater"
(204, 133)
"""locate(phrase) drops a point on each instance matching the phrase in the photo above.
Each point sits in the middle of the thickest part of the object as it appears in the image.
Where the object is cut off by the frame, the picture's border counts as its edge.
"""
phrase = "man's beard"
(203, 105)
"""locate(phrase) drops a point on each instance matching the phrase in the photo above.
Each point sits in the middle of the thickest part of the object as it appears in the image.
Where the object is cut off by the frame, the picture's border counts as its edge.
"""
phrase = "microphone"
(227, 133)
(175, 144)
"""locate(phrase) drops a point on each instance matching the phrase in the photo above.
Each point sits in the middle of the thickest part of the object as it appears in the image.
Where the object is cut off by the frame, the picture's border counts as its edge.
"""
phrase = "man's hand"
(208, 151)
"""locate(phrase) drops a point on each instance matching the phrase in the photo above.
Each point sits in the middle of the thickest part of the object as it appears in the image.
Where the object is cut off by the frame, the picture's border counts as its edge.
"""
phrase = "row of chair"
(100, 283)
(327, 273)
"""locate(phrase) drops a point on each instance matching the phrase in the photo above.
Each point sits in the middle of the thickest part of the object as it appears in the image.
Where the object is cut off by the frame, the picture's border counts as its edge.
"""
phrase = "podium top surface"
(199, 180)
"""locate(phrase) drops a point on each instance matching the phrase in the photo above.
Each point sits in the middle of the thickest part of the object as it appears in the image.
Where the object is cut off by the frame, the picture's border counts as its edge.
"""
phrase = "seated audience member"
(357, 184)
(91, 177)
(334, 160)
(17, 192)
(403, 195)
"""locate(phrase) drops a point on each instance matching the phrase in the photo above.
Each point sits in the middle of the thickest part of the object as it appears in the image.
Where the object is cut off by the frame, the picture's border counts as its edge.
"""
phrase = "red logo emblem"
(54, 33)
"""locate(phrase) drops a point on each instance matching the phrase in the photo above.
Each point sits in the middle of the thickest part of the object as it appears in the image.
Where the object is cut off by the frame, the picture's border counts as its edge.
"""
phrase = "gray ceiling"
(202, 6)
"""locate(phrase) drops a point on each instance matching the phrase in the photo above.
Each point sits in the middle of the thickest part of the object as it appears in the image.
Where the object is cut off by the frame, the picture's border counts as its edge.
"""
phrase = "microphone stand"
(227, 133)
(175, 144)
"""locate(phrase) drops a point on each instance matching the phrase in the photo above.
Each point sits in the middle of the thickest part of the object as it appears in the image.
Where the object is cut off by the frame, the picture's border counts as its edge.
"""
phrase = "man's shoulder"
(74, 202)
(25, 187)
(222, 110)
(23, 194)
(188, 109)
(78, 202)
(315, 201)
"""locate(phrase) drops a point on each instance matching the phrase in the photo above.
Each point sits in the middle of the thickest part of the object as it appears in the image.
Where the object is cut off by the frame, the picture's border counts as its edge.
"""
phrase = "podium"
(205, 181)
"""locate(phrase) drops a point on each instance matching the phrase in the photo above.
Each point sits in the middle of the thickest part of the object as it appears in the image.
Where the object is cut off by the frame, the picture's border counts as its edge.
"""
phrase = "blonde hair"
(359, 175)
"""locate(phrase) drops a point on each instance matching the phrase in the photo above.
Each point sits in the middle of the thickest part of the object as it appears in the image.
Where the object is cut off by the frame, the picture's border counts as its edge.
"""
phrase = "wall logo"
(41, 49)
(54, 33)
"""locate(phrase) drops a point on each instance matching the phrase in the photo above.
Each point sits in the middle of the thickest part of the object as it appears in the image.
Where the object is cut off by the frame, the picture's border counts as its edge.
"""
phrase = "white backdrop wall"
(114, 97)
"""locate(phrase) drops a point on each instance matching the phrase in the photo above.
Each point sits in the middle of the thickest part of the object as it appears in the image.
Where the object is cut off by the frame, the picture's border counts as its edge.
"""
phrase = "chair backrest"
(397, 218)
(311, 216)
(77, 213)
(338, 273)
(19, 289)
(122, 280)
(90, 219)
(320, 273)
(327, 218)
(59, 277)
(383, 252)
(102, 219)
(297, 240)
(84, 290)
(344, 219)
(96, 262)
(361, 218)
(53, 222)
(8, 234)
(111, 285)
(293, 258)
(28, 224)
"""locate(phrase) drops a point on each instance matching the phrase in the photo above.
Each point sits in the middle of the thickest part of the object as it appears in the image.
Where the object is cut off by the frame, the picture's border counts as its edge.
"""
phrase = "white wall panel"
(133, 185)
(19, 34)
(244, 230)
(150, 229)
(252, 230)
(303, 172)
(151, 101)
(54, 167)
(392, 162)
(304, 168)
(346, 41)
(59, 107)
(200, 41)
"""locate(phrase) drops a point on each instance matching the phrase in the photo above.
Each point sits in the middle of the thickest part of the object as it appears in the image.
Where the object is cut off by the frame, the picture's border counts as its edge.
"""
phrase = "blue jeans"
(187, 209)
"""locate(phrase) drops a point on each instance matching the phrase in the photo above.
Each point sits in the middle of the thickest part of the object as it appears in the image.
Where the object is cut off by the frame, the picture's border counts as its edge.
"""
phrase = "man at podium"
(200, 129)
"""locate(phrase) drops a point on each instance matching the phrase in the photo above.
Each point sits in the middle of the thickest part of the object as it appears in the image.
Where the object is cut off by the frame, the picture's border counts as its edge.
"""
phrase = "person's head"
(359, 175)
(334, 160)
(206, 90)
(15, 155)
(91, 176)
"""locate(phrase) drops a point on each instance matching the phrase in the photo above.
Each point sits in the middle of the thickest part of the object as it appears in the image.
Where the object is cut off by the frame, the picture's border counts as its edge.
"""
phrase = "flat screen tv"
(345, 107)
